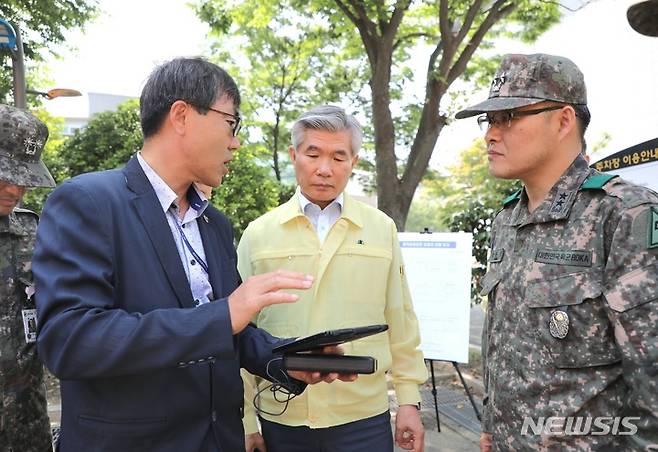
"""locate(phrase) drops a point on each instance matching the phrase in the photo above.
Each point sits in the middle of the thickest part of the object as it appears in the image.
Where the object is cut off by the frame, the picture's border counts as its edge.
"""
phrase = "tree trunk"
(388, 184)
(275, 150)
(395, 193)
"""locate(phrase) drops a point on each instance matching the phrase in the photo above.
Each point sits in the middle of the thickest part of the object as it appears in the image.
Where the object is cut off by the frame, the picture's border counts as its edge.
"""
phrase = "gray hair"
(331, 119)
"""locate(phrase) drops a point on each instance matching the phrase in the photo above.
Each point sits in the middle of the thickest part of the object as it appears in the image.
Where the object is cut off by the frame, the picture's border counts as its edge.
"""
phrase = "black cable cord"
(276, 389)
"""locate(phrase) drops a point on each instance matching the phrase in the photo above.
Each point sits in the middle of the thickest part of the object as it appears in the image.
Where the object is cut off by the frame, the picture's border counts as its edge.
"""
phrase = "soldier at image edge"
(24, 424)
(569, 345)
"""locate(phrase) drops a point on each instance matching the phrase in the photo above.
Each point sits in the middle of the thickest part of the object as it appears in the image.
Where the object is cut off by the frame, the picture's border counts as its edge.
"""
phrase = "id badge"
(30, 325)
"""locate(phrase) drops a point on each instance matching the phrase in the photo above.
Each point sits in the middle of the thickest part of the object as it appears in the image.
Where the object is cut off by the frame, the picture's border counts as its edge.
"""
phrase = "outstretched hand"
(264, 290)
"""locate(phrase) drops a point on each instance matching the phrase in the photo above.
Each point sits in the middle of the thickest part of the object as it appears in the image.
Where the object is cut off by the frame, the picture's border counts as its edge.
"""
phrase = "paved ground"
(449, 440)
(452, 438)
(460, 428)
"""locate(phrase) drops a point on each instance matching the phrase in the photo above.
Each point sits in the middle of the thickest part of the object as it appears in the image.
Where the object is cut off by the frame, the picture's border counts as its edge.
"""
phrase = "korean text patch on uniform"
(557, 257)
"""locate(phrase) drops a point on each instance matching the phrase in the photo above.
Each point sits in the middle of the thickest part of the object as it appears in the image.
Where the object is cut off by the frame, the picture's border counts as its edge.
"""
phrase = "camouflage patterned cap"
(529, 79)
(22, 138)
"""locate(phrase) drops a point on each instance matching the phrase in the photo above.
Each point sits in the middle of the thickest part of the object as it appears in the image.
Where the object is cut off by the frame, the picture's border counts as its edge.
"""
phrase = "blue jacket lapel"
(145, 202)
(213, 248)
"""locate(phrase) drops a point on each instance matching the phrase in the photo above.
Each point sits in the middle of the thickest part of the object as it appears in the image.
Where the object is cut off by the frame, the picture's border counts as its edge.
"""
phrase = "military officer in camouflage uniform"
(571, 335)
(24, 424)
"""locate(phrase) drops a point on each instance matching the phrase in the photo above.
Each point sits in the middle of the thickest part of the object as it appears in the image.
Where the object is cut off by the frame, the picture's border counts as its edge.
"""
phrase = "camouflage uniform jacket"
(590, 250)
(24, 424)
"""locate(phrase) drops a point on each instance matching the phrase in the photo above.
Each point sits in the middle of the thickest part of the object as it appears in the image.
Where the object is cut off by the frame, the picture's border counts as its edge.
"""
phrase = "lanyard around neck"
(189, 246)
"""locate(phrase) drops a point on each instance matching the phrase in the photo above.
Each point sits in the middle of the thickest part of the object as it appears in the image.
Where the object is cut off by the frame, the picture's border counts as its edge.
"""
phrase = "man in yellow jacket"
(352, 251)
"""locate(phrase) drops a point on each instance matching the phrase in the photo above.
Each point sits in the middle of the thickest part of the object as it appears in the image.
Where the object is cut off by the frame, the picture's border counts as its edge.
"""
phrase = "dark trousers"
(366, 435)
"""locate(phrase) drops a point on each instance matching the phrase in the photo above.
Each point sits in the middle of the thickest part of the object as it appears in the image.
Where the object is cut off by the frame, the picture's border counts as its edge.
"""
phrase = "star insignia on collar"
(560, 203)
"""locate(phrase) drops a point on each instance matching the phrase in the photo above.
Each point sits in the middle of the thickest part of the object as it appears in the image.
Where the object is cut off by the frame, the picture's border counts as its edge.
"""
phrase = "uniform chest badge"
(558, 325)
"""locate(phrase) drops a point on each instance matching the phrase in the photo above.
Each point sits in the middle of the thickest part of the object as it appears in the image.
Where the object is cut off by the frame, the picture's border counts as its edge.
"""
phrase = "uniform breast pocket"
(292, 259)
(570, 319)
(365, 271)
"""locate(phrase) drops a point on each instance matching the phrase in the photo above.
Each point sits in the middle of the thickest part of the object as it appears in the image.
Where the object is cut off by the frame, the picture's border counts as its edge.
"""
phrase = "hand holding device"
(301, 354)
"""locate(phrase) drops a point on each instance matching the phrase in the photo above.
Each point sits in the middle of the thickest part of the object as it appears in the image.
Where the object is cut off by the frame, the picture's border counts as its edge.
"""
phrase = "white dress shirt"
(321, 219)
(196, 275)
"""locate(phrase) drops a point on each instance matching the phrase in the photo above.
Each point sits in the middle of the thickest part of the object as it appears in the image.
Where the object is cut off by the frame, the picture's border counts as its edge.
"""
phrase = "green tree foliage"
(427, 207)
(284, 63)
(454, 30)
(379, 42)
(247, 192)
(111, 138)
(108, 141)
(42, 24)
(600, 145)
(466, 200)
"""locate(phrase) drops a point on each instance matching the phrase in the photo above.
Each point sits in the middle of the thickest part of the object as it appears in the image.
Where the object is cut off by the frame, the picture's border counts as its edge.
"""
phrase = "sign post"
(10, 37)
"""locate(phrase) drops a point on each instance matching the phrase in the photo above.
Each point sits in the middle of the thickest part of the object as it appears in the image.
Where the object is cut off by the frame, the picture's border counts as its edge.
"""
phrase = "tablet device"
(331, 337)
(317, 362)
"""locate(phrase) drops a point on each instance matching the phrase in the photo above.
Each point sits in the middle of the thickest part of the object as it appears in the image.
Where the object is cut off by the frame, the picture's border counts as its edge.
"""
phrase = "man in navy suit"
(140, 310)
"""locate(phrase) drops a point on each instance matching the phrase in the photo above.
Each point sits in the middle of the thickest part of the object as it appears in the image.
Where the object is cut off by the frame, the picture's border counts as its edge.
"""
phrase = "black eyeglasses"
(235, 123)
(501, 118)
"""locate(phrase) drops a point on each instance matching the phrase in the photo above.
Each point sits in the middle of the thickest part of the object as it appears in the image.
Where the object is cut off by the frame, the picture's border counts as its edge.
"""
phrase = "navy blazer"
(141, 368)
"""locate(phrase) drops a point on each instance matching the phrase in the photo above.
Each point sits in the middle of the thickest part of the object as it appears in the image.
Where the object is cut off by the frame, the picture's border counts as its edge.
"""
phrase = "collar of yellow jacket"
(351, 210)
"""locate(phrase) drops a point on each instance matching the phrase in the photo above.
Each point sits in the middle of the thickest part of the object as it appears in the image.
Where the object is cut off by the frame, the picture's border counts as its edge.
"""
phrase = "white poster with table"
(438, 269)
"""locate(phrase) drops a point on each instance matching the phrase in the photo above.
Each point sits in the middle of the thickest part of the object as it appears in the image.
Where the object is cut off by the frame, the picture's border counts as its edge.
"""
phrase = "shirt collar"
(558, 201)
(293, 209)
(166, 196)
(304, 202)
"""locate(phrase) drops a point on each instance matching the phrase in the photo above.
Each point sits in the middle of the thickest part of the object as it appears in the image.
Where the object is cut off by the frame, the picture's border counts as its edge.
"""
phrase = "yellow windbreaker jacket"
(359, 280)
